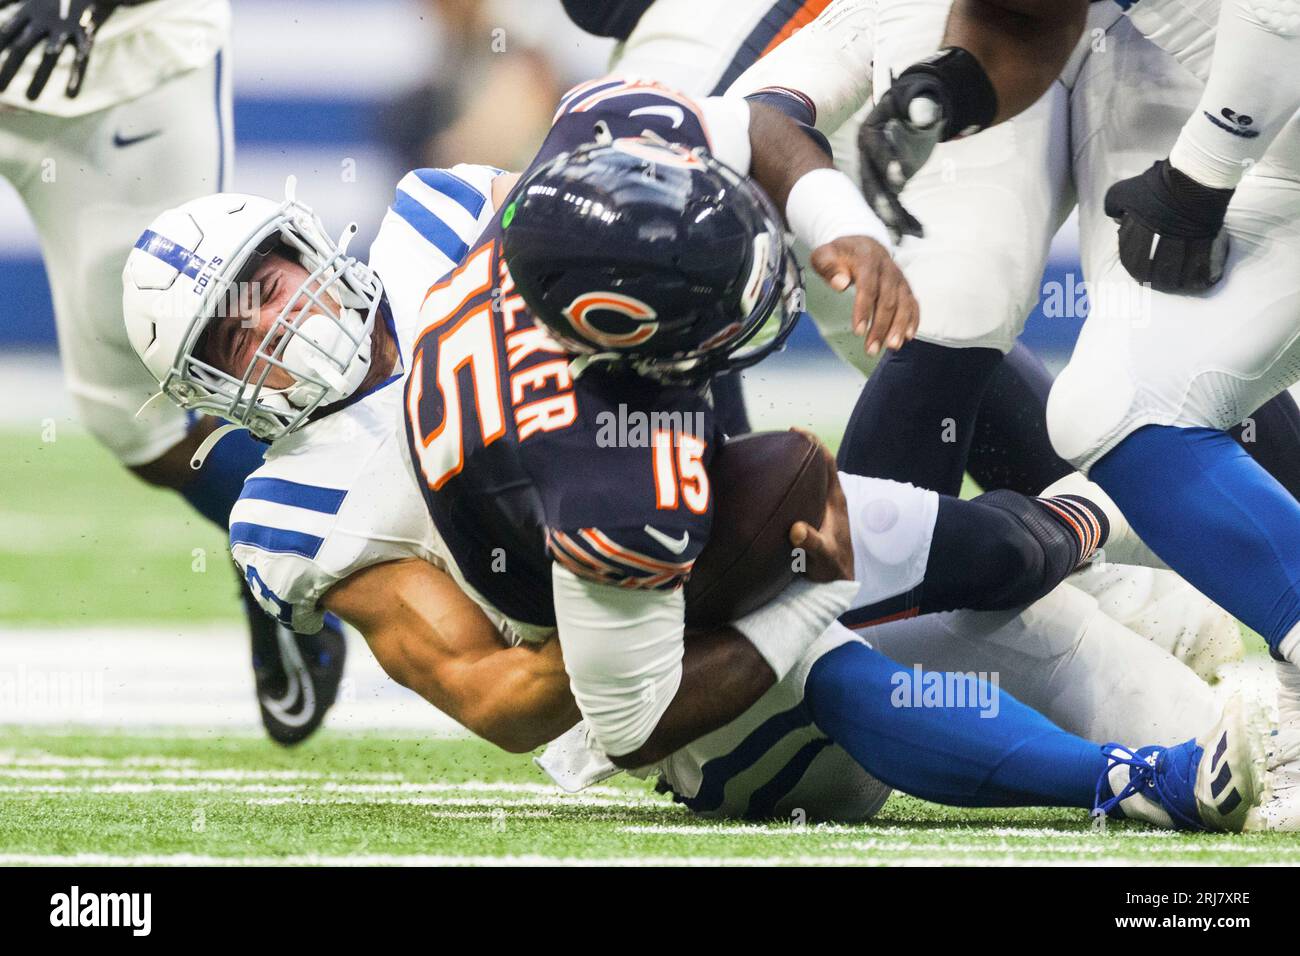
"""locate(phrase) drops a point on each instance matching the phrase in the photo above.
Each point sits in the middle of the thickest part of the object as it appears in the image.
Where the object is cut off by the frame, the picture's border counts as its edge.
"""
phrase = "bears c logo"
(643, 319)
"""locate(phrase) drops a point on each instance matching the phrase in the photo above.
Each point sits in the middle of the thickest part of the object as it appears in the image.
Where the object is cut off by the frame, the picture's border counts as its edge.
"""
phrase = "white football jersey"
(1188, 31)
(339, 495)
(135, 51)
(1185, 29)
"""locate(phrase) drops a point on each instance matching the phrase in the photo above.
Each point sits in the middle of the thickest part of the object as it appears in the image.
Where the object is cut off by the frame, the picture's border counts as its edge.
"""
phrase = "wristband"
(783, 629)
(824, 206)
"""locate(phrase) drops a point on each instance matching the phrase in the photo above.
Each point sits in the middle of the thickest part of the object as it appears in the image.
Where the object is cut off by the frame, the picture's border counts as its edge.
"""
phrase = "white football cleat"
(1281, 812)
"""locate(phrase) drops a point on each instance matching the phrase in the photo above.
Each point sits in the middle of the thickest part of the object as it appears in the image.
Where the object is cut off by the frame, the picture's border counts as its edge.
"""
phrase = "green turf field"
(347, 799)
(83, 544)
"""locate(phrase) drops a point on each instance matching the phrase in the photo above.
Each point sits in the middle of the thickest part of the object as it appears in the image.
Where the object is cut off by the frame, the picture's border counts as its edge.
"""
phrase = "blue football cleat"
(1208, 783)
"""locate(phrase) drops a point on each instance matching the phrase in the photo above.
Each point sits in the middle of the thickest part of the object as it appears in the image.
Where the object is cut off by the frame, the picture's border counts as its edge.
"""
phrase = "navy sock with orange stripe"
(1085, 522)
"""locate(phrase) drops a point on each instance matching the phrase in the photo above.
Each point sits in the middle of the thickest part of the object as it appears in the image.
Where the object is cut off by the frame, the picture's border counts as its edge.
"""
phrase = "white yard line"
(224, 773)
(29, 758)
(229, 779)
(564, 800)
(860, 830)
(298, 794)
(527, 860)
(177, 677)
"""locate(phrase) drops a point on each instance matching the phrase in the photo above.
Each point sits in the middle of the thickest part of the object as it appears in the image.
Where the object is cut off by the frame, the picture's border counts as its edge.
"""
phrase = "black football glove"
(895, 141)
(1171, 231)
(57, 24)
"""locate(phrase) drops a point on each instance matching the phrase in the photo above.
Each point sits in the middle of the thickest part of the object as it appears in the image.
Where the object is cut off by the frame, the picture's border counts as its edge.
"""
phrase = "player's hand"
(55, 25)
(896, 139)
(828, 548)
(1171, 232)
(885, 313)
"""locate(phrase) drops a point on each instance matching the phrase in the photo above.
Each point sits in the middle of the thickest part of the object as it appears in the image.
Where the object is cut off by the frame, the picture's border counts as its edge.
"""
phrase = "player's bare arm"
(1022, 45)
(430, 637)
(998, 57)
(788, 164)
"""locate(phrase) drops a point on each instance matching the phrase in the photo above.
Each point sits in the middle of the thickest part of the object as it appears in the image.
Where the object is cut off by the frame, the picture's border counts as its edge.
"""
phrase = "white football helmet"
(186, 270)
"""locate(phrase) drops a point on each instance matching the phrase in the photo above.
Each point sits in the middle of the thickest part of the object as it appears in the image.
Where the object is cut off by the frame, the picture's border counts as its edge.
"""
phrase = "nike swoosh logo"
(121, 141)
(675, 545)
(674, 113)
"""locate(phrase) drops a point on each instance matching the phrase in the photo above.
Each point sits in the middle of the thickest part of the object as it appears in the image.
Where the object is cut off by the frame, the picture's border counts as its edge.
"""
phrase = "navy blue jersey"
(521, 464)
(607, 18)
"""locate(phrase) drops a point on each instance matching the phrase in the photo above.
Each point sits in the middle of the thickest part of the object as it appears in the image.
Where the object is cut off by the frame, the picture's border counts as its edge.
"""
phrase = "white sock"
(1122, 545)
(1288, 713)
(1290, 646)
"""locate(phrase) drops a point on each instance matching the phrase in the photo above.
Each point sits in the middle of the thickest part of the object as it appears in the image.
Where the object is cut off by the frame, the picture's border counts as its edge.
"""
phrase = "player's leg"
(990, 205)
(1271, 435)
(1011, 448)
(955, 739)
(90, 206)
(1143, 404)
(918, 552)
(1068, 660)
(819, 743)
(989, 213)
(1161, 607)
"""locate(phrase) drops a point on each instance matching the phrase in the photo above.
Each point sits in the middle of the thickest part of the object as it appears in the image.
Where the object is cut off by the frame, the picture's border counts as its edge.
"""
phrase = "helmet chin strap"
(205, 447)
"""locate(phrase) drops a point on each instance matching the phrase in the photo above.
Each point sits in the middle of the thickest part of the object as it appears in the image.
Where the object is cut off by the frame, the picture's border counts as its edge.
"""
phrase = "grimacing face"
(231, 340)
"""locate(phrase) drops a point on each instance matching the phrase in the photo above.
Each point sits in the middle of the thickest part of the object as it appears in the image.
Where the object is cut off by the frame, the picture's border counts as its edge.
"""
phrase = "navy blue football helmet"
(640, 251)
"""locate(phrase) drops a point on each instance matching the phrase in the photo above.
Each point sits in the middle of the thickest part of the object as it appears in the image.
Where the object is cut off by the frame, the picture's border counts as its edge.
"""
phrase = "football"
(762, 484)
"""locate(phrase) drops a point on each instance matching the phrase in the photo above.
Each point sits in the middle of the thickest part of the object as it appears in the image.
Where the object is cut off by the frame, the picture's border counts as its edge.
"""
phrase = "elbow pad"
(623, 652)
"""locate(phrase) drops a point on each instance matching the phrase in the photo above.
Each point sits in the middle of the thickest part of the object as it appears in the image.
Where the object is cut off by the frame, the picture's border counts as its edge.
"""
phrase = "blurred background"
(347, 96)
(367, 91)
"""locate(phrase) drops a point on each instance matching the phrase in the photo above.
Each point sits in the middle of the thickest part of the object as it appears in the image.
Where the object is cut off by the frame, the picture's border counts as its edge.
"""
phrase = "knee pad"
(1029, 551)
(1280, 17)
(1088, 415)
(962, 305)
